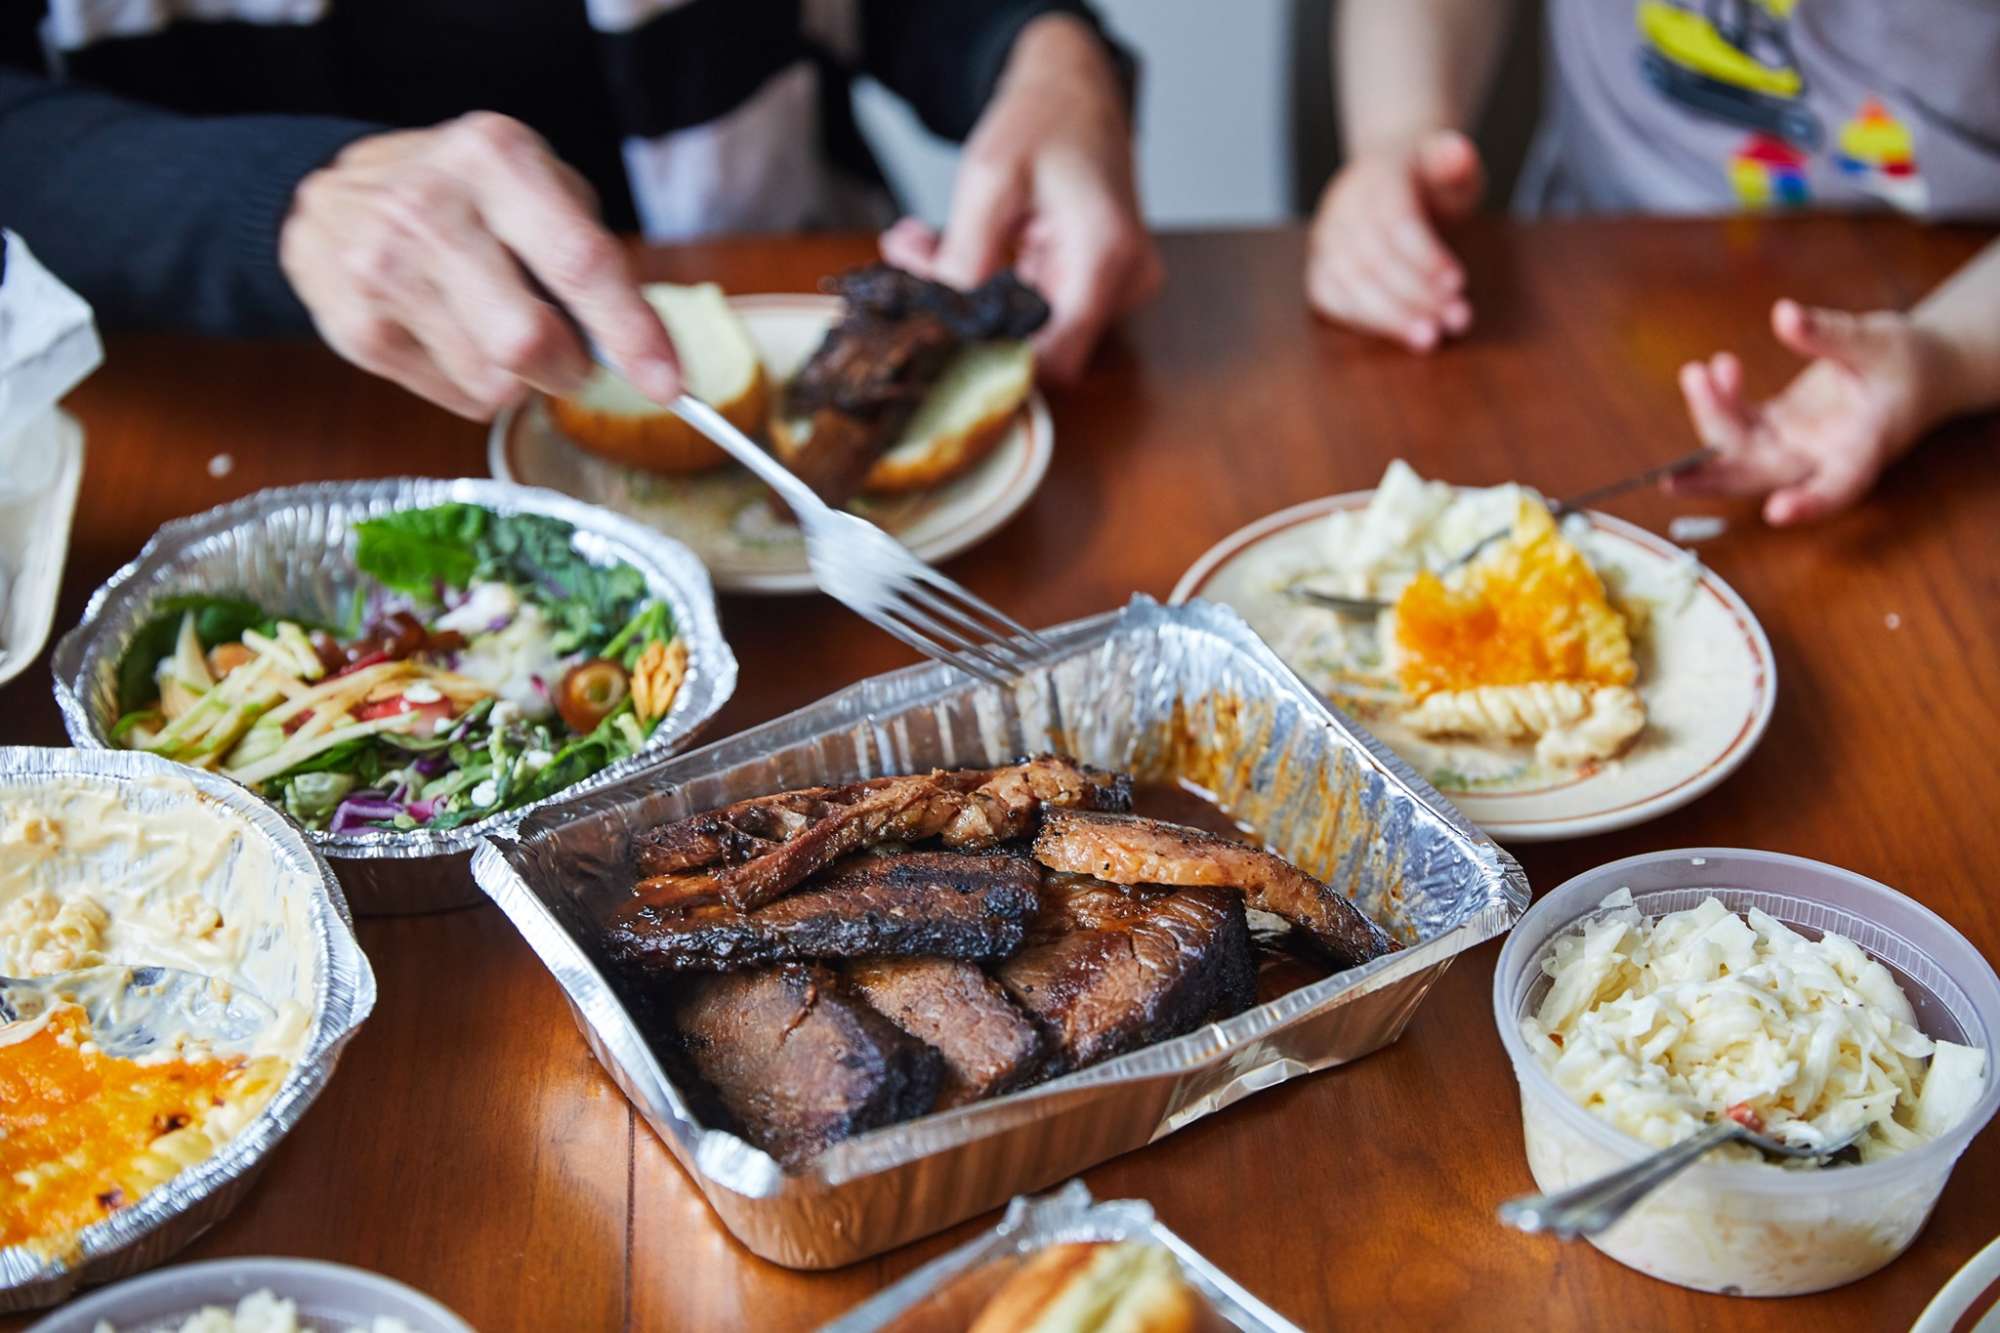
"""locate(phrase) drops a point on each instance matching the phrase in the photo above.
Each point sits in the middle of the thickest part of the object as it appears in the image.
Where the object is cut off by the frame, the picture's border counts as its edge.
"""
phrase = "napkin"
(48, 342)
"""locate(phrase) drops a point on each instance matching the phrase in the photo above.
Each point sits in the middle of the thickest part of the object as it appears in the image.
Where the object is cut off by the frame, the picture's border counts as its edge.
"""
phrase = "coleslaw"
(1663, 1026)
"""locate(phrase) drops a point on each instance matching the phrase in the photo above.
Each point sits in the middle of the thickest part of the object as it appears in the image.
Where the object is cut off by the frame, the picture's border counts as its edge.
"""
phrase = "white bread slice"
(966, 413)
(610, 417)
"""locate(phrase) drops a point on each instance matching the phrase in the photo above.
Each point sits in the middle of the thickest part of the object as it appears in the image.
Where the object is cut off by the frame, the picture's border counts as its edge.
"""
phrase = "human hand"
(1047, 176)
(1820, 444)
(412, 251)
(1375, 261)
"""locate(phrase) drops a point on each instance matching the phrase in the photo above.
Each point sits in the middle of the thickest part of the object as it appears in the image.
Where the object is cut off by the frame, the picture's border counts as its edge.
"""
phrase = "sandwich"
(914, 384)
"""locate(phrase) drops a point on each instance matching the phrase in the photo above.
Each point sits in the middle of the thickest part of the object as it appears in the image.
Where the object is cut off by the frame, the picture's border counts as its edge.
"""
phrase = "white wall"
(1214, 115)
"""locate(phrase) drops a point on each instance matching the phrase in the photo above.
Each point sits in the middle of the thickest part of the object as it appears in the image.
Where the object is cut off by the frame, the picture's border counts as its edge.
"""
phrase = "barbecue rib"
(874, 367)
(988, 1045)
(1128, 849)
(898, 905)
(798, 1062)
(1112, 970)
(750, 853)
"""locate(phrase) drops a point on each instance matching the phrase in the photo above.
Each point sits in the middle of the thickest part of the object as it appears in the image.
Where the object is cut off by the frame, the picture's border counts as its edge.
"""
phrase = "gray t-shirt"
(1710, 106)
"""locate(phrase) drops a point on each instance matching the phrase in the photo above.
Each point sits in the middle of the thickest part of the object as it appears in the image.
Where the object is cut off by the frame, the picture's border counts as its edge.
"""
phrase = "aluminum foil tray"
(293, 550)
(332, 969)
(1067, 1215)
(1167, 692)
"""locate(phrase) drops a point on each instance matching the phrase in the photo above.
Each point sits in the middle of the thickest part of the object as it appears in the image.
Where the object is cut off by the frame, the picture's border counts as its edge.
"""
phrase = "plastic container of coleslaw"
(1748, 1228)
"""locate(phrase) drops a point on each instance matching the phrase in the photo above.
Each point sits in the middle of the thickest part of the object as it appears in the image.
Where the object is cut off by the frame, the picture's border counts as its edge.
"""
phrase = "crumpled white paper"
(48, 342)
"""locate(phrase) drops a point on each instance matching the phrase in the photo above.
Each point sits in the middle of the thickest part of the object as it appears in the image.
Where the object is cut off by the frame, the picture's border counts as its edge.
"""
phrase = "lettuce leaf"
(216, 620)
(415, 550)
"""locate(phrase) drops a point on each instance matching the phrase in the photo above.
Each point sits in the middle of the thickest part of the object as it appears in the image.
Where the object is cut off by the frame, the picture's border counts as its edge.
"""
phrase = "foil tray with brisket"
(831, 960)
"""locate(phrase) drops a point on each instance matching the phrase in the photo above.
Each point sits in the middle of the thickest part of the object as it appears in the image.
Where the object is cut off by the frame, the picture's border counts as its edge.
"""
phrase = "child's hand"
(1375, 260)
(1819, 445)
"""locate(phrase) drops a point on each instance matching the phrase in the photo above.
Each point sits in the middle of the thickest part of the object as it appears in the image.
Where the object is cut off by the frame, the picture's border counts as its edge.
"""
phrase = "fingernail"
(1458, 317)
(659, 380)
(1423, 335)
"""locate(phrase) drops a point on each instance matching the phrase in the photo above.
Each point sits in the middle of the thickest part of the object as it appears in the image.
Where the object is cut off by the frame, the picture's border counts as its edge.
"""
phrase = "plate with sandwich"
(1572, 677)
(911, 403)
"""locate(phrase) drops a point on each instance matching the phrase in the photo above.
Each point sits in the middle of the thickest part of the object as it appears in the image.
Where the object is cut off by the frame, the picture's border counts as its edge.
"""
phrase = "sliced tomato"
(433, 713)
(362, 662)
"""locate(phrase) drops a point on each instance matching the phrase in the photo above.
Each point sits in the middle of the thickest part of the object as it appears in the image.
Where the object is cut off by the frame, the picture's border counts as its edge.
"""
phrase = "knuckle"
(526, 342)
(490, 133)
(581, 256)
(373, 258)
(368, 339)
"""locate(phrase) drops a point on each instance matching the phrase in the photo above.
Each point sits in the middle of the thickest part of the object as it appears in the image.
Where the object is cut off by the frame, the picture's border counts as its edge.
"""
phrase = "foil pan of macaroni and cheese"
(1116, 1251)
(402, 665)
(1183, 697)
(178, 975)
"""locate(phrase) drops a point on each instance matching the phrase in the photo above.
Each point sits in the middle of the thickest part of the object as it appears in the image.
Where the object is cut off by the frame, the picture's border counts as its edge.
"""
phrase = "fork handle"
(746, 451)
(1594, 1205)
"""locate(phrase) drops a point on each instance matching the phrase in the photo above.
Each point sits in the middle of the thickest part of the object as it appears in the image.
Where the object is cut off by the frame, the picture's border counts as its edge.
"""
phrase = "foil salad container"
(343, 987)
(292, 549)
(1186, 692)
(1069, 1214)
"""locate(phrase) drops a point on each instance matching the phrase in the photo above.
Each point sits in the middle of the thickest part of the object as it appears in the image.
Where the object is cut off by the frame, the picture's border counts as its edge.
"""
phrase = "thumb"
(987, 204)
(1847, 339)
(1449, 174)
(1836, 484)
(910, 245)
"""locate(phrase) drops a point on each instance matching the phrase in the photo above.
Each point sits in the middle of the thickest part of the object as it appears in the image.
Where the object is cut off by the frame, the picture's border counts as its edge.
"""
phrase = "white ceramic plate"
(331, 1298)
(723, 514)
(1705, 672)
(34, 541)
(1970, 1301)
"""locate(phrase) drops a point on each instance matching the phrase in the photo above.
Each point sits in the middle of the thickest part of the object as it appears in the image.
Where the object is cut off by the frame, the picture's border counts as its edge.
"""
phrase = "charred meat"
(1113, 970)
(988, 1044)
(750, 853)
(1128, 849)
(871, 906)
(798, 1062)
(868, 375)
(1001, 307)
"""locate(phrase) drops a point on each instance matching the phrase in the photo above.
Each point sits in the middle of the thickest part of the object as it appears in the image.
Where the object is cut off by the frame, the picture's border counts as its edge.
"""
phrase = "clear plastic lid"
(1949, 983)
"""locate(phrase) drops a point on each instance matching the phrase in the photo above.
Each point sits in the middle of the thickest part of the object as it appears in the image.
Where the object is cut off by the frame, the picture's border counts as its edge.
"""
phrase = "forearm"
(1404, 67)
(158, 219)
(1960, 325)
(947, 60)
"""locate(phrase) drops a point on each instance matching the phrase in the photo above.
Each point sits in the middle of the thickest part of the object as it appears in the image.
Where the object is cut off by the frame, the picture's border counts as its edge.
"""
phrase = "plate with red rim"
(724, 514)
(1706, 674)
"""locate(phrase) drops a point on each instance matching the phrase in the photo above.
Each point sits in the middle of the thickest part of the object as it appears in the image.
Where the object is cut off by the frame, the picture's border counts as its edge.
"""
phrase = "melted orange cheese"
(80, 1131)
(1531, 610)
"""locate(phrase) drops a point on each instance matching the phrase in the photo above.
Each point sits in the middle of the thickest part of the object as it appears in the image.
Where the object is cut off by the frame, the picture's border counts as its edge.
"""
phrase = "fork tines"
(942, 619)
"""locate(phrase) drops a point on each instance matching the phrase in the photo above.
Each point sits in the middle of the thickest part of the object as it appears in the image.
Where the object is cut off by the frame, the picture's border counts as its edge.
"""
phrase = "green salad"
(484, 664)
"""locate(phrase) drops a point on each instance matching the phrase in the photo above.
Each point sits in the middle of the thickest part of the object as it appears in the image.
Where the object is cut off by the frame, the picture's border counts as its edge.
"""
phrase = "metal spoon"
(132, 1010)
(1593, 1206)
(1369, 606)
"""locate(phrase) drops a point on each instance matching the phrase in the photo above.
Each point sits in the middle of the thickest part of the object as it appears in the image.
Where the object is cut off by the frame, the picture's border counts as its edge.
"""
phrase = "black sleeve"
(158, 220)
(944, 59)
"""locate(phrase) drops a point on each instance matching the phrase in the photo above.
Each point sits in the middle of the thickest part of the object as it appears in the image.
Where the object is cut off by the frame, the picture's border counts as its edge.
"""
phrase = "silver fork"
(1594, 1205)
(876, 576)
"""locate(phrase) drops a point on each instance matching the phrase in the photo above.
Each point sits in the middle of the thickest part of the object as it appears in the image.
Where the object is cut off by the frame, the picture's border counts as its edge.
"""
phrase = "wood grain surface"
(471, 1146)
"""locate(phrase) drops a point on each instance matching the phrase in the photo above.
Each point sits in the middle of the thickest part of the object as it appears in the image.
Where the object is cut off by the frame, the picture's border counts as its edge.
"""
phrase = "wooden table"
(470, 1145)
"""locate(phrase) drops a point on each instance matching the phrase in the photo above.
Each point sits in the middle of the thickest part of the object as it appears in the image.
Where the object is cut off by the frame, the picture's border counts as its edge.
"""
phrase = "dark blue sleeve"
(159, 220)
(945, 58)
